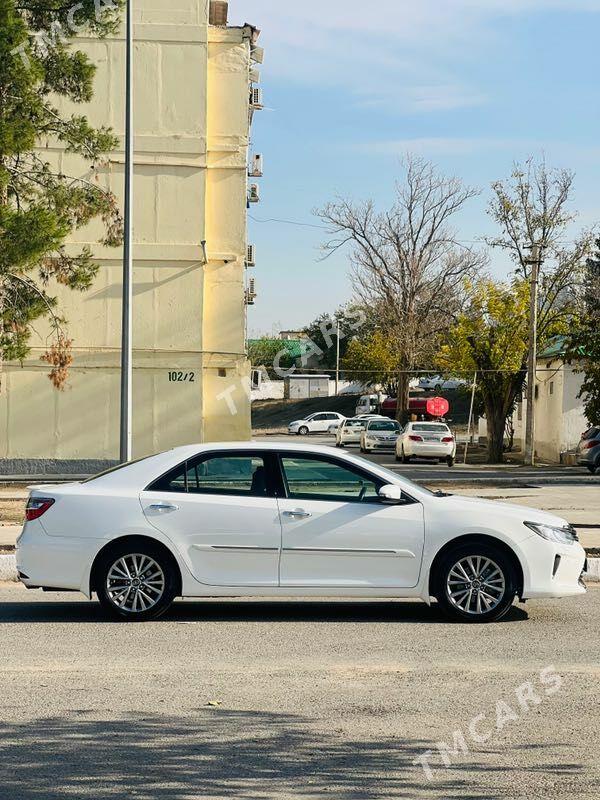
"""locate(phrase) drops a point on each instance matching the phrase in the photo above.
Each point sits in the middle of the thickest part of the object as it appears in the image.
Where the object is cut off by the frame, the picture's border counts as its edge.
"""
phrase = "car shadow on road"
(281, 611)
(222, 753)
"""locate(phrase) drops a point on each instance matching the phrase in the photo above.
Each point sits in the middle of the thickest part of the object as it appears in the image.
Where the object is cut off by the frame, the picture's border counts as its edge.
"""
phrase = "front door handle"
(298, 513)
(161, 507)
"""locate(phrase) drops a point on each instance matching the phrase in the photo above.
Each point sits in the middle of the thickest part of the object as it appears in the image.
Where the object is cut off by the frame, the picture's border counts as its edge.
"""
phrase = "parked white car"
(321, 422)
(350, 431)
(380, 434)
(270, 519)
(432, 440)
(438, 383)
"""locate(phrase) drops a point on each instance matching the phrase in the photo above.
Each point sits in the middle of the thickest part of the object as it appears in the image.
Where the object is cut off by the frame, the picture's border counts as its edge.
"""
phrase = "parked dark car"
(588, 451)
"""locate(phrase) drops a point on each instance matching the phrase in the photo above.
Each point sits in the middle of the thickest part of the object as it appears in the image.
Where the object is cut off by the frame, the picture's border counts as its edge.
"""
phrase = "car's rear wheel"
(592, 468)
(136, 582)
(450, 461)
(405, 458)
(303, 431)
(476, 583)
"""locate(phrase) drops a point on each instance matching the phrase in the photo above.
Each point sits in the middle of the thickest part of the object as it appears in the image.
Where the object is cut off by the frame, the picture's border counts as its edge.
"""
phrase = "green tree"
(584, 343)
(372, 360)
(491, 338)
(40, 206)
(272, 354)
(322, 332)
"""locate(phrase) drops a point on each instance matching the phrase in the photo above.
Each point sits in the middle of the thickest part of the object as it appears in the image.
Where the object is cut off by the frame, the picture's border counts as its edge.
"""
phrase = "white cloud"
(407, 52)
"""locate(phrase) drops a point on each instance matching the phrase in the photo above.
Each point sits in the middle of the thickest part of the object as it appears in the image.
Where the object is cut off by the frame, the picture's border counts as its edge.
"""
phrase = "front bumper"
(554, 570)
(380, 444)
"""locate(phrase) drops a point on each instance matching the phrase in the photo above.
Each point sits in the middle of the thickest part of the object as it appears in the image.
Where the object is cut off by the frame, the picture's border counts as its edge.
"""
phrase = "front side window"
(243, 475)
(320, 479)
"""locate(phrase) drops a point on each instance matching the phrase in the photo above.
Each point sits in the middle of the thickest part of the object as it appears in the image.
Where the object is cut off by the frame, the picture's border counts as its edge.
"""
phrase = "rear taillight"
(36, 506)
(448, 439)
(416, 438)
(589, 445)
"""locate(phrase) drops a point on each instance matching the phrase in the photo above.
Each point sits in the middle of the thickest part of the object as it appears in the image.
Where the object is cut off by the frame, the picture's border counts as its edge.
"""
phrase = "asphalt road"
(303, 700)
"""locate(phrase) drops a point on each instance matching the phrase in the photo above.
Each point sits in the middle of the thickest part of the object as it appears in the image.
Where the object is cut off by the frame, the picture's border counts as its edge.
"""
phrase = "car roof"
(428, 422)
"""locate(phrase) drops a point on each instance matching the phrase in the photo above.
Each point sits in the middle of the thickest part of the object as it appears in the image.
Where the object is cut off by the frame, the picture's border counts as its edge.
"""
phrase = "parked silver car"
(588, 451)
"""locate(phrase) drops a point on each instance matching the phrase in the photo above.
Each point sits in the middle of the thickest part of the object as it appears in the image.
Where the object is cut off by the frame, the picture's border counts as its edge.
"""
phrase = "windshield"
(355, 423)
(431, 428)
(384, 425)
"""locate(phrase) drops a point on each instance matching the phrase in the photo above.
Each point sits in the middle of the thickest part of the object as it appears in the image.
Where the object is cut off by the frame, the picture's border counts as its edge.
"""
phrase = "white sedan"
(429, 440)
(277, 520)
(380, 433)
(350, 431)
(437, 383)
(322, 422)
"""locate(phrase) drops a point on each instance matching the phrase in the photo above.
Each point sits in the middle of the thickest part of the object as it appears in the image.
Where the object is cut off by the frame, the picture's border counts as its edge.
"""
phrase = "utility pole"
(337, 360)
(126, 329)
(534, 262)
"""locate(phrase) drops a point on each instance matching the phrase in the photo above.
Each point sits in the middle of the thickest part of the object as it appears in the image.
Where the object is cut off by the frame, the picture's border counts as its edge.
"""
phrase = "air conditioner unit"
(256, 167)
(256, 99)
(251, 292)
(257, 54)
(254, 193)
(251, 256)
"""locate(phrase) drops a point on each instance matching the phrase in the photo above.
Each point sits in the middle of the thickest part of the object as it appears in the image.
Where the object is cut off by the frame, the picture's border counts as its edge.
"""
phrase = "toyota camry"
(269, 520)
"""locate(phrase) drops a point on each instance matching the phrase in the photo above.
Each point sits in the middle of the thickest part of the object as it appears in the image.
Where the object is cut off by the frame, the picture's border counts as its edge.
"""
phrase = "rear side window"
(238, 475)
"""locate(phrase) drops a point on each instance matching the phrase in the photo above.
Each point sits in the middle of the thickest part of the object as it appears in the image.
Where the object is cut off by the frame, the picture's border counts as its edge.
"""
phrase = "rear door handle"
(298, 513)
(163, 507)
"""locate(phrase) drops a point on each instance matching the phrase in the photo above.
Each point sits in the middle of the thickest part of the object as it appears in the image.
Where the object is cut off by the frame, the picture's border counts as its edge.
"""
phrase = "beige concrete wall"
(191, 123)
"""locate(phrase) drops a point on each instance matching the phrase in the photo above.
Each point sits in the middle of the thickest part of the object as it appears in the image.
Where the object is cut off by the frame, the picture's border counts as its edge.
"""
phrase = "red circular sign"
(438, 406)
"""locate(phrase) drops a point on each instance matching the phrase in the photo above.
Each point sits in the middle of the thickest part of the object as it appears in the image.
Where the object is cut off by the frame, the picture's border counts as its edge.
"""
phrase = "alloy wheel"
(475, 585)
(135, 583)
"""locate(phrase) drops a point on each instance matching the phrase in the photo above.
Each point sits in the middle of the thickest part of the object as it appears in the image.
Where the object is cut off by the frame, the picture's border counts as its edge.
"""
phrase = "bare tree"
(406, 262)
(532, 208)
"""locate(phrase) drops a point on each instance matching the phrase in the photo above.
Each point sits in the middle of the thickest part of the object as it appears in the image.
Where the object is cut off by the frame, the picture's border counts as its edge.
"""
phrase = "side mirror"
(390, 494)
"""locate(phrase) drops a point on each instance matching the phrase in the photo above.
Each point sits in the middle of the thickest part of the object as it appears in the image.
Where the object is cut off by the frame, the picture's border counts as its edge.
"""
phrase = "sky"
(350, 88)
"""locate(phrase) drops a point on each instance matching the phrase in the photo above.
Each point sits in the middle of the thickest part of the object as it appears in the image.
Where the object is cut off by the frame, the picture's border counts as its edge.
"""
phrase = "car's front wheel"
(303, 431)
(476, 583)
(136, 582)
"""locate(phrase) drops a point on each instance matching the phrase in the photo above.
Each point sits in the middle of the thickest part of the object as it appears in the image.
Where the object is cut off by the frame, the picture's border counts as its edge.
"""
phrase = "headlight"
(560, 535)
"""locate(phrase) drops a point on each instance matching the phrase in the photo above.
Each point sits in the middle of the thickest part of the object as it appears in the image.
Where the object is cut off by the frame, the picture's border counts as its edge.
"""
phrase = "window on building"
(551, 387)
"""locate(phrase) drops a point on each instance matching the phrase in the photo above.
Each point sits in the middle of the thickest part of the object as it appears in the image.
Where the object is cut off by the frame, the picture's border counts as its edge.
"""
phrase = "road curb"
(8, 569)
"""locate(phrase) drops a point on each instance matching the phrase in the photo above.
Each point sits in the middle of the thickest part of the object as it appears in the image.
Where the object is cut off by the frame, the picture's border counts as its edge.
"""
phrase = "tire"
(405, 458)
(450, 461)
(159, 587)
(438, 387)
(303, 431)
(592, 468)
(495, 567)
(398, 458)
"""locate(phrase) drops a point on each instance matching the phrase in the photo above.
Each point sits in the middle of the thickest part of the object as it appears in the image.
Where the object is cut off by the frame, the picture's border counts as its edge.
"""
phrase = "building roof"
(557, 348)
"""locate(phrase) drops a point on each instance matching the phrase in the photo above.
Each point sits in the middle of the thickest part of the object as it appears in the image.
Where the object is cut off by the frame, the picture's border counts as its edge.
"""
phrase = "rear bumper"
(432, 451)
(53, 562)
